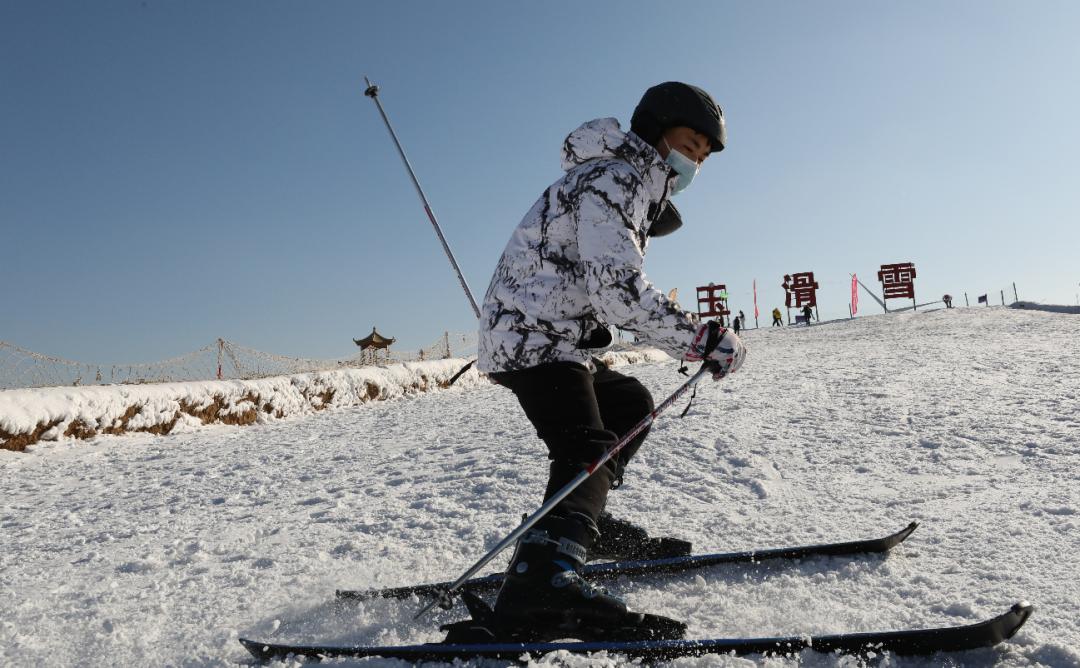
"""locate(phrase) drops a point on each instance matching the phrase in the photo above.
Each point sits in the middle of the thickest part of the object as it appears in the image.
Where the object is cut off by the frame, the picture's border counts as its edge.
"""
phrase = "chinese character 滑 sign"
(803, 286)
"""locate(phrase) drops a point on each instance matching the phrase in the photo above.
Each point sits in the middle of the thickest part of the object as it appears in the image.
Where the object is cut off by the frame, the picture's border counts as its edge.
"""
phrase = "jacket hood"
(604, 139)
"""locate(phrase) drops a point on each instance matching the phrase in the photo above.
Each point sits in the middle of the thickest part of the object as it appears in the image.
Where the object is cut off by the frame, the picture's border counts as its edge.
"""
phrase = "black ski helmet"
(672, 104)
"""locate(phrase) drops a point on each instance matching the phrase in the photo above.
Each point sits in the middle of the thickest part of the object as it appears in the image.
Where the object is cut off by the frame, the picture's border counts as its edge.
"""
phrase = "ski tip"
(356, 594)
(362, 594)
(901, 535)
(1021, 611)
(260, 651)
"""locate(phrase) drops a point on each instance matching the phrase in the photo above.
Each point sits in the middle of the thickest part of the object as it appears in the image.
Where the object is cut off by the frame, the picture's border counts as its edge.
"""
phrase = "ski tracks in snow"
(160, 550)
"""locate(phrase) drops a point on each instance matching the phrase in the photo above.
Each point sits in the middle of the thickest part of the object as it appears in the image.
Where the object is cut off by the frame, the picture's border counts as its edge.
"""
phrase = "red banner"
(756, 313)
(854, 294)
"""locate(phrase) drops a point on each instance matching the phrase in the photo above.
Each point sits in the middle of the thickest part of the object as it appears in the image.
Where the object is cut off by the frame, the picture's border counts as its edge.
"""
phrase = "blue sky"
(173, 172)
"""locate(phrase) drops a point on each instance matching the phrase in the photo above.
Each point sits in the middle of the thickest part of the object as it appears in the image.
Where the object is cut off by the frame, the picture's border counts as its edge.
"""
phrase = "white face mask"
(686, 168)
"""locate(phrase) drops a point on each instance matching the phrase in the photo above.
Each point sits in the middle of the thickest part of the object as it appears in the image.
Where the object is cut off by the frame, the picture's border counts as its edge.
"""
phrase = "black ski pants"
(579, 415)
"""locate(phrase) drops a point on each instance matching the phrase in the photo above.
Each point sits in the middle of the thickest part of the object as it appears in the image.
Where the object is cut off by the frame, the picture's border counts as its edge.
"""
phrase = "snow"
(144, 549)
(1052, 308)
(77, 412)
(97, 409)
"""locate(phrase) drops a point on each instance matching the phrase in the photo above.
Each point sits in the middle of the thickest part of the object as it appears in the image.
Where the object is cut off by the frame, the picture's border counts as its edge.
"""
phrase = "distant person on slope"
(572, 269)
(776, 321)
(948, 301)
(808, 314)
(736, 323)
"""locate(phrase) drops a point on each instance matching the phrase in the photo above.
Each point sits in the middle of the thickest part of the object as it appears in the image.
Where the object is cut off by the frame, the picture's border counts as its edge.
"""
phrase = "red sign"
(898, 280)
(714, 297)
(803, 286)
(854, 294)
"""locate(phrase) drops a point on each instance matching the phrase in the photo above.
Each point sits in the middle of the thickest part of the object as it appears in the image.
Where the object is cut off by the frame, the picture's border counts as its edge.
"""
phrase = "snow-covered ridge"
(50, 414)
(1051, 308)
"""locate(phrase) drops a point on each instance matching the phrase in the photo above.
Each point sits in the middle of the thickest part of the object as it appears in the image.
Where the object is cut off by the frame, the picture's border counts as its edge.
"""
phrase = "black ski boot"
(622, 541)
(544, 598)
(542, 582)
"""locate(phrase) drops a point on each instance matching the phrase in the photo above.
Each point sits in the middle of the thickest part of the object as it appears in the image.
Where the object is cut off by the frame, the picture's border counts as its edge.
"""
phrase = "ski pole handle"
(445, 596)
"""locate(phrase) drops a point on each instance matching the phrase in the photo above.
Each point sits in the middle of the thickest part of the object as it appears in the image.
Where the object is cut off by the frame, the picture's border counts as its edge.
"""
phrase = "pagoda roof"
(374, 340)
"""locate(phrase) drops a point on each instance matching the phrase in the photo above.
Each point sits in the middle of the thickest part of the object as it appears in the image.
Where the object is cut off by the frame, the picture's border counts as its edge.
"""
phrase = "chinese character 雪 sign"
(898, 280)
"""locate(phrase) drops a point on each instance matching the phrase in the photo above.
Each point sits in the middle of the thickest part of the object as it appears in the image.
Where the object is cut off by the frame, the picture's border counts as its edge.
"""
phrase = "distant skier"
(948, 301)
(776, 321)
(572, 268)
(736, 323)
(808, 314)
(742, 319)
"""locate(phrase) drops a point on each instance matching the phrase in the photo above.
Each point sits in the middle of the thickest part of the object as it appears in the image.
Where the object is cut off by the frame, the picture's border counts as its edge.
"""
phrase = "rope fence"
(221, 360)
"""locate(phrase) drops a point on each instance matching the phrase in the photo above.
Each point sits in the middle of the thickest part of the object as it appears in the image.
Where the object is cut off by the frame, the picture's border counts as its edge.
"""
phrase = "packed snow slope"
(161, 550)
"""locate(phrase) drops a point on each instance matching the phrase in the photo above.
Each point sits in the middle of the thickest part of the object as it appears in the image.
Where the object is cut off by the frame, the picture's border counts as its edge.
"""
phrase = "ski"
(908, 642)
(668, 565)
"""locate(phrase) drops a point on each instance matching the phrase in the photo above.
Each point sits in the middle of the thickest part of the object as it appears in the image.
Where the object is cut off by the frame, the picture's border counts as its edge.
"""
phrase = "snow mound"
(30, 416)
(48, 414)
(1052, 308)
(617, 358)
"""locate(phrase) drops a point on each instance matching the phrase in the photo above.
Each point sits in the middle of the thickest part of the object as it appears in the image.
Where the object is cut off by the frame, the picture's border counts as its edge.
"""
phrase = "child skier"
(572, 268)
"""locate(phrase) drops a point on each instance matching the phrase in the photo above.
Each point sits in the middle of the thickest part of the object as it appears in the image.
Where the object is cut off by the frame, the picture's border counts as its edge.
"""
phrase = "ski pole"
(372, 91)
(445, 597)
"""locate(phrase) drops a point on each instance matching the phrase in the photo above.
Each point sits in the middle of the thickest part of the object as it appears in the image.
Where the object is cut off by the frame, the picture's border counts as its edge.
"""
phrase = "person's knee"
(578, 443)
(636, 401)
(646, 400)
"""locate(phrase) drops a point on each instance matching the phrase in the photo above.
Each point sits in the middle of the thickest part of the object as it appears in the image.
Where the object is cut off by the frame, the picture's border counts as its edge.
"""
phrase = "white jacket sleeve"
(611, 245)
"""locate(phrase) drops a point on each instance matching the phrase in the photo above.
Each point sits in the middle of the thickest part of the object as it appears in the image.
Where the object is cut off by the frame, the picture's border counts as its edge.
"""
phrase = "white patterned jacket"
(574, 264)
